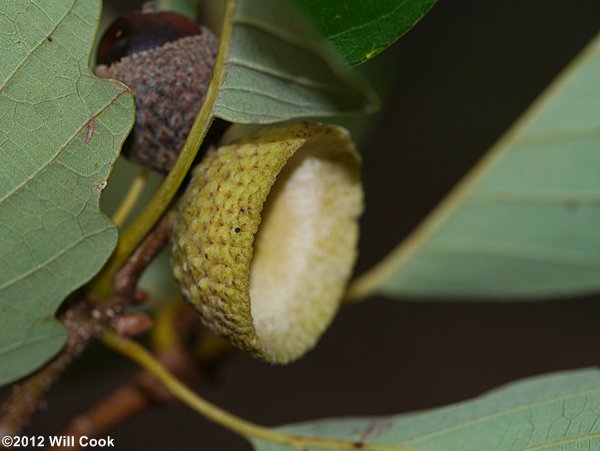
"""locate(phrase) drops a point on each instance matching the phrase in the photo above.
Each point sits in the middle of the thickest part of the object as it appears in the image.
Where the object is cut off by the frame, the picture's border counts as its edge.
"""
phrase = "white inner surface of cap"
(303, 253)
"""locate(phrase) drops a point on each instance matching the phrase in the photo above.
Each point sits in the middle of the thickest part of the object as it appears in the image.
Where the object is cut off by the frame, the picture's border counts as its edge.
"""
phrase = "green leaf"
(524, 223)
(60, 132)
(360, 29)
(276, 68)
(551, 412)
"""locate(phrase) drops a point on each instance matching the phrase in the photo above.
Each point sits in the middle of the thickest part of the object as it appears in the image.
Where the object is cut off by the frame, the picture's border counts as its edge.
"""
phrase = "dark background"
(463, 75)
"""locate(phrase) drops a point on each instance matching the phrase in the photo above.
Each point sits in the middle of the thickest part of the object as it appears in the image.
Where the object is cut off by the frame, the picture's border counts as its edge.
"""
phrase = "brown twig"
(145, 391)
(126, 279)
(116, 408)
(132, 399)
(85, 321)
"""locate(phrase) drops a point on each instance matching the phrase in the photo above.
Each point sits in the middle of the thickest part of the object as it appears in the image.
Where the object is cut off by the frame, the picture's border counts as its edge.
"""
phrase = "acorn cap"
(169, 83)
(265, 237)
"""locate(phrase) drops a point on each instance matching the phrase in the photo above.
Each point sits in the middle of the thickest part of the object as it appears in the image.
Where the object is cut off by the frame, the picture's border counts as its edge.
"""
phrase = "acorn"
(167, 60)
(265, 237)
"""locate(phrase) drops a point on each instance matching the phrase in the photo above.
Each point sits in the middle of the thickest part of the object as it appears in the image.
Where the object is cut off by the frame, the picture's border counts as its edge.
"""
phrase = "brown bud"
(167, 61)
(132, 324)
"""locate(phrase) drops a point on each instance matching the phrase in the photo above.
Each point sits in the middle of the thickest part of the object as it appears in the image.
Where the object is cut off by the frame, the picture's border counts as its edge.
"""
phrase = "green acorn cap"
(265, 237)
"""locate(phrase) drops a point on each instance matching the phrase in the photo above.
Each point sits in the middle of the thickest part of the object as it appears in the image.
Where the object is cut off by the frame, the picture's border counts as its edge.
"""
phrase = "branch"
(127, 278)
(119, 406)
(128, 401)
(145, 391)
(85, 321)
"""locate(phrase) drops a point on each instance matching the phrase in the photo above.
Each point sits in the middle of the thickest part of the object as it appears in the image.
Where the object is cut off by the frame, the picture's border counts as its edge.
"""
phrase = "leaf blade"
(277, 69)
(61, 132)
(361, 30)
(521, 224)
(544, 412)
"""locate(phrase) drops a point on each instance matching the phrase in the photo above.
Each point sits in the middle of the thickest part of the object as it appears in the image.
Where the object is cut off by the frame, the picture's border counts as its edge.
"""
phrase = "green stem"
(131, 198)
(135, 233)
(140, 355)
(186, 7)
(101, 286)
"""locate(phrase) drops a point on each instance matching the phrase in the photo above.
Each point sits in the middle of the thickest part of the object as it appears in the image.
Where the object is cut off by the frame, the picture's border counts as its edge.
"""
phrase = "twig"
(85, 321)
(145, 391)
(126, 279)
(119, 406)
(132, 399)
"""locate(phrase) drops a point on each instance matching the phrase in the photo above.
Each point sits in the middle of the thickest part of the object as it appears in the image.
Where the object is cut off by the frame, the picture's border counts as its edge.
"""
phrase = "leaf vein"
(266, 95)
(501, 413)
(56, 256)
(63, 147)
(302, 81)
(370, 22)
(36, 47)
(517, 252)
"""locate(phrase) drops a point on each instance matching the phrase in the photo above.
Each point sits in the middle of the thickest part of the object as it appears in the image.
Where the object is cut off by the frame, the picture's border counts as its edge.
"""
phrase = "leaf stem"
(131, 198)
(140, 355)
(135, 233)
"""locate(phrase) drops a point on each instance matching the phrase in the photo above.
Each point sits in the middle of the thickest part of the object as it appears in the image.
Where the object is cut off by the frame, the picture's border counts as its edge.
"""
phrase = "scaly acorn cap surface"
(168, 81)
(265, 237)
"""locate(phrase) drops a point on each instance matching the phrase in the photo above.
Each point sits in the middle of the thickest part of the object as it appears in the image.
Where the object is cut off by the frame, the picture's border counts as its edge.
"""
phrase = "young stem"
(140, 355)
(131, 198)
(136, 232)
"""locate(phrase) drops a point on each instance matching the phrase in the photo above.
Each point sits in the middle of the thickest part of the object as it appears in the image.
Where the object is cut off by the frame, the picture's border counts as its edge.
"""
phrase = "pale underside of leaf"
(60, 132)
(524, 223)
(557, 411)
(276, 68)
